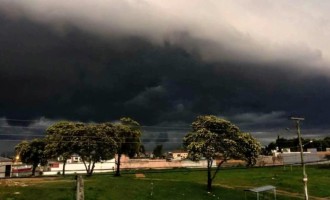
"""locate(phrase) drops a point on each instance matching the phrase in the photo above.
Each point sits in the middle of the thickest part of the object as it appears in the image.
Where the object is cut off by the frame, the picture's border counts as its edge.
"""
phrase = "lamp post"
(309, 142)
(298, 119)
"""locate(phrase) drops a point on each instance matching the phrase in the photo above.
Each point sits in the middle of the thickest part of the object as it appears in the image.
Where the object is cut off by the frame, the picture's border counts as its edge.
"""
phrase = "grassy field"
(175, 184)
(51, 188)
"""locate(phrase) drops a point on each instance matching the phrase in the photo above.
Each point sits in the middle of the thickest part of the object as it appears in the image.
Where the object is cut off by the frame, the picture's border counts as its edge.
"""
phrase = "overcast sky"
(164, 63)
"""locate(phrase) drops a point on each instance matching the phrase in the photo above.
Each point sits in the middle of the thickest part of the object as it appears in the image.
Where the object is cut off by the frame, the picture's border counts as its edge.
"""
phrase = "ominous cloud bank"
(258, 31)
(254, 63)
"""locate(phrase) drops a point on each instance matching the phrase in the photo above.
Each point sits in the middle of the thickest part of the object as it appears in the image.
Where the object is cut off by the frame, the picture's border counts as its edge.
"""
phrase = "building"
(286, 157)
(21, 170)
(146, 163)
(5, 167)
(176, 155)
(179, 154)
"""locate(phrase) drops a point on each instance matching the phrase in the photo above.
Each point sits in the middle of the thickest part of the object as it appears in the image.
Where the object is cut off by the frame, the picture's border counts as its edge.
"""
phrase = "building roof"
(3, 159)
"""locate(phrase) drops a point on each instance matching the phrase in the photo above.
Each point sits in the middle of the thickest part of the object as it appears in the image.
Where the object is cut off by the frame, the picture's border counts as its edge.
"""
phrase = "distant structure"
(75, 165)
(5, 167)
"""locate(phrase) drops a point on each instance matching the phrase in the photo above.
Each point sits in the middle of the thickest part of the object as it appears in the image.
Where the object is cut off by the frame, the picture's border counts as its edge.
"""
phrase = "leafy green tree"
(128, 134)
(62, 140)
(248, 148)
(215, 138)
(32, 152)
(96, 143)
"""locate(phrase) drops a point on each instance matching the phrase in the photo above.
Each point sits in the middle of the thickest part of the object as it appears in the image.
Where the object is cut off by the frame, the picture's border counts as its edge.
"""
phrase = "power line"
(22, 127)
(169, 128)
(94, 141)
(19, 120)
(142, 126)
(86, 136)
(17, 134)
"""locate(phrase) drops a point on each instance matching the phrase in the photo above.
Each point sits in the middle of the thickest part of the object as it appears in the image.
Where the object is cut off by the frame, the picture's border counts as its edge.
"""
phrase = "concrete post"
(80, 188)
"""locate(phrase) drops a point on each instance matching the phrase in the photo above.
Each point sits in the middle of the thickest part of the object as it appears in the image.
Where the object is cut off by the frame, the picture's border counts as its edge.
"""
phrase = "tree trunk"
(63, 170)
(118, 165)
(92, 169)
(209, 180)
(89, 168)
(209, 175)
(85, 165)
(34, 166)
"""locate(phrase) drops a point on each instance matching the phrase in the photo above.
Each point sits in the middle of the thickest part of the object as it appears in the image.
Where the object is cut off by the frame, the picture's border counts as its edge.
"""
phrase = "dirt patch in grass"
(140, 175)
(23, 182)
(11, 183)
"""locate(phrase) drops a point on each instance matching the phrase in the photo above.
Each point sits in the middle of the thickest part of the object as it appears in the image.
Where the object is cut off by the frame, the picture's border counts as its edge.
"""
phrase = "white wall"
(295, 157)
(3, 168)
(2, 171)
(79, 168)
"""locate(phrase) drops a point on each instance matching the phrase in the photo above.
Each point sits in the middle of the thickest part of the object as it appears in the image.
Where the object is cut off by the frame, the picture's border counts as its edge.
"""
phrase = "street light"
(298, 119)
(309, 142)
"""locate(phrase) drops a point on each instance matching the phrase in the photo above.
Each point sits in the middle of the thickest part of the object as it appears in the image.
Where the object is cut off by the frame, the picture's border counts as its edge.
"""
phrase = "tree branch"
(218, 168)
(85, 164)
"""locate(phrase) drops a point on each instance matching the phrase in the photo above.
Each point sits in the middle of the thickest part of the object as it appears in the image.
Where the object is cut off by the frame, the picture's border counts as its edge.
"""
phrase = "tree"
(158, 151)
(248, 148)
(142, 150)
(128, 134)
(96, 143)
(61, 140)
(93, 142)
(215, 138)
(32, 152)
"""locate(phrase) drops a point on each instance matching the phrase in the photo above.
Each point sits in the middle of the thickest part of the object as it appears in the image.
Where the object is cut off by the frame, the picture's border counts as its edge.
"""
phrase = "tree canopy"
(62, 140)
(215, 138)
(128, 134)
(158, 151)
(32, 152)
(96, 144)
(92, 142)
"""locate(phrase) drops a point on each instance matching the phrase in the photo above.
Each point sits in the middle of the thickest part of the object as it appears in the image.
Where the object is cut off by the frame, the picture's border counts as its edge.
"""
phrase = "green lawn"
(36, 188)
(181, 184)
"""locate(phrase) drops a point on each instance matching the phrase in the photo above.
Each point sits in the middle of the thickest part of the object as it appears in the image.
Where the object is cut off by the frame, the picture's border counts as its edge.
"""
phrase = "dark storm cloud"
(165, 63)
(14, 131)
(81, 76)
(263, 32)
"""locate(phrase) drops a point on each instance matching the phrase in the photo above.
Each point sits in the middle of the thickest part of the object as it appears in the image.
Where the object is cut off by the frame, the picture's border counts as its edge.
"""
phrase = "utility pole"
(298, 119)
